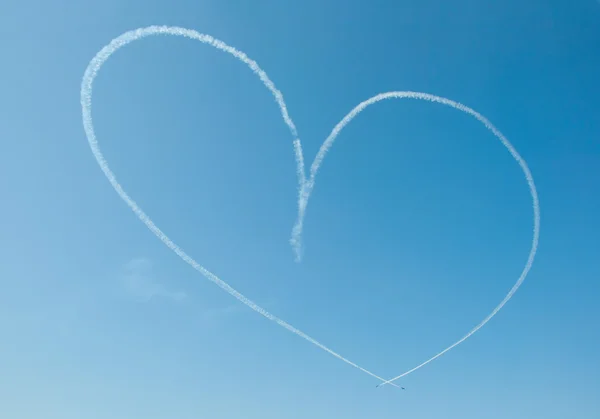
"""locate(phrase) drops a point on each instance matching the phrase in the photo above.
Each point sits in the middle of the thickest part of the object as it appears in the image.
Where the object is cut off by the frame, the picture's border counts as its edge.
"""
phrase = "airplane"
(381, 383)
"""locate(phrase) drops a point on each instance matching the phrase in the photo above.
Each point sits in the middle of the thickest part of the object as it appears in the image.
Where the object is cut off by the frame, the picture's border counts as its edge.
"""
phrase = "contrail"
(305, 186)
(297, 231)
(86, 106)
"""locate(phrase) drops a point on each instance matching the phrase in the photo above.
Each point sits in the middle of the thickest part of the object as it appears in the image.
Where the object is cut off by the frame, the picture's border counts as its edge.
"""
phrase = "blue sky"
(419, 224)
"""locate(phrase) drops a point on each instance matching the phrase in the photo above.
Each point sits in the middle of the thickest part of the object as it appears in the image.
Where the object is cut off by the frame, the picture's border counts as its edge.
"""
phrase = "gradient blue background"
(419, 224)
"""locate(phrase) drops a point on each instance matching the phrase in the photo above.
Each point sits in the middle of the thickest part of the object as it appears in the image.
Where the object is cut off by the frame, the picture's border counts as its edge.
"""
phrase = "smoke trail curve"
(86, 105)
(459, 106)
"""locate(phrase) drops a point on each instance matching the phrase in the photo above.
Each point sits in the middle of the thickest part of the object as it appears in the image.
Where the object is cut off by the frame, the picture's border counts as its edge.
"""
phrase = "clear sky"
(419, 224)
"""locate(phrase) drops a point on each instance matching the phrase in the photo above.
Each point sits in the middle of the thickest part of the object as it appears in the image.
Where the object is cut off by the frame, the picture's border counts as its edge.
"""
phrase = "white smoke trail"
(305, 186)
(86, 106)
(297, 231)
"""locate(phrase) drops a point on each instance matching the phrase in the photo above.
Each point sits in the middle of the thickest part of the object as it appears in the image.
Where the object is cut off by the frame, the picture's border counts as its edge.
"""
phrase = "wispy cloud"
(137, 278)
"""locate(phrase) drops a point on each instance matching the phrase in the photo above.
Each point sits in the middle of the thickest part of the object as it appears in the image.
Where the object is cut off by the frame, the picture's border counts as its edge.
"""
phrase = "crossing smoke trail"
(86, 106)
(305, 186)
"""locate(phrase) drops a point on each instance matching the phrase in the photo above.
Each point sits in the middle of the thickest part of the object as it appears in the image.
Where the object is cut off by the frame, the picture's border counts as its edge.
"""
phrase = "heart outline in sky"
(305, 185)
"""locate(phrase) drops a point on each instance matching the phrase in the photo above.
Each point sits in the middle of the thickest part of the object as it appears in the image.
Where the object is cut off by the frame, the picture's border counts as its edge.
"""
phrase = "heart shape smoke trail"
(305, 185)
